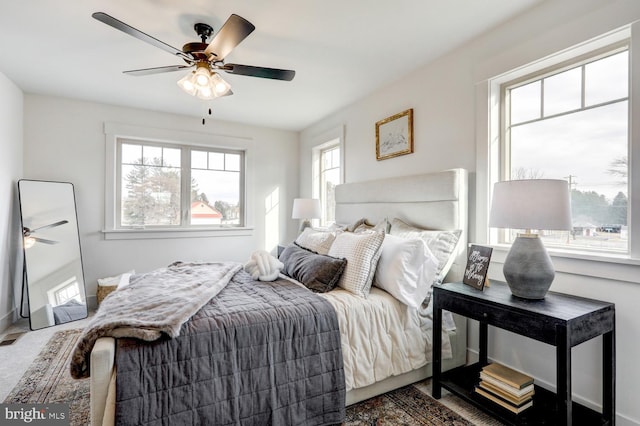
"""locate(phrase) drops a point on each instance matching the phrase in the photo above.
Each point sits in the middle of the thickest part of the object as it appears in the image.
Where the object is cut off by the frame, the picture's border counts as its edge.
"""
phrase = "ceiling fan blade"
(156, 70)
(45, 241)
(229, 36)
(128, 29)
(51, 225)
(273, 73)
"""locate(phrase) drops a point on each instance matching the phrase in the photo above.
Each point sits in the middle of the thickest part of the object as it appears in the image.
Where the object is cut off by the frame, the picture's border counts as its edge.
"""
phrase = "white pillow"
(120, 281)
(362, 251)
(124, 279)
(441, 243)
(382, 226)
(316, 240)
(406, 269)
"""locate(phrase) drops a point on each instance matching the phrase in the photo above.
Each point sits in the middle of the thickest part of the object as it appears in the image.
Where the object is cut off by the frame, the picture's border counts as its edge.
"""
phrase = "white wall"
(444, 97)
(11, 105)
(64, 140)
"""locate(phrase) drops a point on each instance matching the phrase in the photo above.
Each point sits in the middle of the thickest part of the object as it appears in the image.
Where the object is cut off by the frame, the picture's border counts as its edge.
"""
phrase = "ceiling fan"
(207, 59)
(30, 240)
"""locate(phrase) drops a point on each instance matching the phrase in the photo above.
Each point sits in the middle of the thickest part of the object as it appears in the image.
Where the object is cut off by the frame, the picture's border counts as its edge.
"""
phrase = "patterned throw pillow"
(316, 240)
(441, 243)
(362, 251)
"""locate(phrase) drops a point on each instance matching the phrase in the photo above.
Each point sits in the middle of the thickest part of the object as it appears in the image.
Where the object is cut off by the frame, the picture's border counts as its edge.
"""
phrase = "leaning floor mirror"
(52, 276)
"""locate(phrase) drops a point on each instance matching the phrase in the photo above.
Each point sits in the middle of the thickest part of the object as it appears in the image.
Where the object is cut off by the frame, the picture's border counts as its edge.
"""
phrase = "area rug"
(405, 406)
(47, 380)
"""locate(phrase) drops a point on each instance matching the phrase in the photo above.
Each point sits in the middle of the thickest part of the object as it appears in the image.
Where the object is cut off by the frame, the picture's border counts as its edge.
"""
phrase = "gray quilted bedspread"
(259, 353)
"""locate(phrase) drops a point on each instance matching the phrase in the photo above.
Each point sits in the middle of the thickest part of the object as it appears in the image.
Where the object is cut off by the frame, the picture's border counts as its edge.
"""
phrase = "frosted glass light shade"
(204, 83)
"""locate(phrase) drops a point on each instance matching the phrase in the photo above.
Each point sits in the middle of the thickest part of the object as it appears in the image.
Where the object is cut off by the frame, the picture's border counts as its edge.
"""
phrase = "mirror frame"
(73, 312)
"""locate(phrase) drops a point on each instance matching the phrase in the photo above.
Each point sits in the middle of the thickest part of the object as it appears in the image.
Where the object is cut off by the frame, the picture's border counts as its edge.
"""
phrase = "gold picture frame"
(394, 135)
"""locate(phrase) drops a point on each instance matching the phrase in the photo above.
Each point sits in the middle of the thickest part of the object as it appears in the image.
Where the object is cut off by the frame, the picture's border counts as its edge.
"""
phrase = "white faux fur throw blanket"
(153, 304)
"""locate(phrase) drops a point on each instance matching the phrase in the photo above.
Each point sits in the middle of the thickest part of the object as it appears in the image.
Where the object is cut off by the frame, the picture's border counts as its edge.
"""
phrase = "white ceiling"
(341, 50)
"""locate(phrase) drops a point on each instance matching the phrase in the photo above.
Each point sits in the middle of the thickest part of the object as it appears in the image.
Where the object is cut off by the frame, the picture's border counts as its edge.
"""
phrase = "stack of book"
(507, 387)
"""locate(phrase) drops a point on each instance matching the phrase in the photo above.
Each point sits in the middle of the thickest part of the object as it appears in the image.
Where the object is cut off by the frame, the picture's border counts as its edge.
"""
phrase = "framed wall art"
(394, 135)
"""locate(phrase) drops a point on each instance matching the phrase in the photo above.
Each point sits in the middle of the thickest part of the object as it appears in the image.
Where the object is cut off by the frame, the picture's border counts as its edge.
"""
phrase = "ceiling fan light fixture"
(202, 76)
(206, 93)
(203, 83)
(187, 85)
(221, 87)
(29, 242)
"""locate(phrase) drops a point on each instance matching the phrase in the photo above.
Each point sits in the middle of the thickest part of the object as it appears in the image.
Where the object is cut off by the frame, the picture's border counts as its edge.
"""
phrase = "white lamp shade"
(306, 208)
(541, 204)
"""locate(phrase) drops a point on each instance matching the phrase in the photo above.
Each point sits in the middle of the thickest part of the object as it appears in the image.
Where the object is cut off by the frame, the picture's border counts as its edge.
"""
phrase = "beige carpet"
(47, 380)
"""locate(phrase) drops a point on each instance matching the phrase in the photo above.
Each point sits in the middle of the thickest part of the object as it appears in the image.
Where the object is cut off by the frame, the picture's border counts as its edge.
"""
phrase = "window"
(571, 122)
(327, 174)
(329, 178)
(177, 186)
(64, 292)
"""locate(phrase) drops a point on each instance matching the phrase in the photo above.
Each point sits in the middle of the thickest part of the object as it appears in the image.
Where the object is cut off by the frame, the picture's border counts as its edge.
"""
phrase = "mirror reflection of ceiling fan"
(207, 59)
(30, 240)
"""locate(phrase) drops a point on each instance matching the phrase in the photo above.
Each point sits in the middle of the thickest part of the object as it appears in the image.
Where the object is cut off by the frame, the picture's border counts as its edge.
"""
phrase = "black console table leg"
(483, 343)
(436, 388)
(609, 377)
(563, 360)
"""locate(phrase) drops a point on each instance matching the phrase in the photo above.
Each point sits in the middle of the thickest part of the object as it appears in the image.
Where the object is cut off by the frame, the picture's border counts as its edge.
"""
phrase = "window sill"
(606, 266)
(144, 234)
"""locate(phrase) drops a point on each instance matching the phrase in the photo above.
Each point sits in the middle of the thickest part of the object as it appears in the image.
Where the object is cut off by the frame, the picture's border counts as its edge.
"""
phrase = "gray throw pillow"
(318, 272)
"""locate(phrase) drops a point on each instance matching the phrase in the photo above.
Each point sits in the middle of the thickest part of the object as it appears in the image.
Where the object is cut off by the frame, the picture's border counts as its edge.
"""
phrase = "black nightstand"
(560, 320)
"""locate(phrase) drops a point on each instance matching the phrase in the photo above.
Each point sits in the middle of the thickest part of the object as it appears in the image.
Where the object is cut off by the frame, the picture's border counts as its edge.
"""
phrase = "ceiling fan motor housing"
(195, 49)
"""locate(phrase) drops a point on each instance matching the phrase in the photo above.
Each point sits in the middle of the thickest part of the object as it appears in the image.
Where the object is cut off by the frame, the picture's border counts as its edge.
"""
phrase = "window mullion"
(583, 95)
(185, 185)
(542, 98)
(118, 185)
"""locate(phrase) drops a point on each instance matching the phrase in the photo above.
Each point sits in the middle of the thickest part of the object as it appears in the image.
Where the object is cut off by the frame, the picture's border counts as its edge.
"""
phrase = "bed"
(435, 201)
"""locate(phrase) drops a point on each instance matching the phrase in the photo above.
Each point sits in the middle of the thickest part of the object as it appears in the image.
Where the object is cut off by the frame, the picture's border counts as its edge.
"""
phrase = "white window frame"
(115, 131)
(185, 180)
(488, 126)
(504, 167)
(325, 141)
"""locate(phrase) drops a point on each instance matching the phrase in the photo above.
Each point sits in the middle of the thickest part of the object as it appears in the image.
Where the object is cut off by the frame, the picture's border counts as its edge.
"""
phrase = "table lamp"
(306, 209)
(538, 204)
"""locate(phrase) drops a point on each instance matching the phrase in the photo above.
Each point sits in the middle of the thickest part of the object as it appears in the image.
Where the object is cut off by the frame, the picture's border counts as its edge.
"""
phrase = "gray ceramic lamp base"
(528, 269)
(305, 224)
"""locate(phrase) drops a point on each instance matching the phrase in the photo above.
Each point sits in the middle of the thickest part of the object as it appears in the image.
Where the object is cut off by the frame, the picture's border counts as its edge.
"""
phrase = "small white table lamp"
(306, 209)
(540, 204)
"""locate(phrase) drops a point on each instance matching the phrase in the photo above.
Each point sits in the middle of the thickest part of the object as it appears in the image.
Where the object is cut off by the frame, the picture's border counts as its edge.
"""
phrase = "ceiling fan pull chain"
(209, 113)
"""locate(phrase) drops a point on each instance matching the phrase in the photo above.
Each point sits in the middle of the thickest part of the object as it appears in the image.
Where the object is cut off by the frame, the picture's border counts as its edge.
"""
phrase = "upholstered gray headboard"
(430, 201)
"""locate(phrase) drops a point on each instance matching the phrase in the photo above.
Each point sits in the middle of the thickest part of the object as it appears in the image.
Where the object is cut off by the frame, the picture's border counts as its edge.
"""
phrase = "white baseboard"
(7, 320)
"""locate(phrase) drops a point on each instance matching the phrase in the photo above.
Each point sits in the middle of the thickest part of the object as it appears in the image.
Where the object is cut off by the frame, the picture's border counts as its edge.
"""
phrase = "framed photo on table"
(475, 274)
(394, 135)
